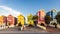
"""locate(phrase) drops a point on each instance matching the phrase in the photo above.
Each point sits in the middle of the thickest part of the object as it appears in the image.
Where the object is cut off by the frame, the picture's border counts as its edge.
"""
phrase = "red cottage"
(41, 16)
(10, 20)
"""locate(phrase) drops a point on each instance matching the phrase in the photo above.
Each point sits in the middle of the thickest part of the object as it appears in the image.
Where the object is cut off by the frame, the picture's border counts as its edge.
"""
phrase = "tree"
(35, 18)
(47, 19)
(57, 17)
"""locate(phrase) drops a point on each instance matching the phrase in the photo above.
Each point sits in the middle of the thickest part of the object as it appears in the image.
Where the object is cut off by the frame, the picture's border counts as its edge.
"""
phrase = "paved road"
(26, 30)
(52, 29)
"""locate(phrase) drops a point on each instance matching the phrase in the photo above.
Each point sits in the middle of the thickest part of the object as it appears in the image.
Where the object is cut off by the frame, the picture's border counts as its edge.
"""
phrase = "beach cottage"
(30, 20)
(20, 20)
(41, 15)
(3, 20)
(10, 20)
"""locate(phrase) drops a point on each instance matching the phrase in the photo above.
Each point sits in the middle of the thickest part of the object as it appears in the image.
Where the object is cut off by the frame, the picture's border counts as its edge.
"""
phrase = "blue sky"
(31, 6)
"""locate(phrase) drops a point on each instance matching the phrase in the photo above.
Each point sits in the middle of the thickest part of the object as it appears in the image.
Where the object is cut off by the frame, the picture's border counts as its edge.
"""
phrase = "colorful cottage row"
(41, 15)
(11, 20)
(20, 20)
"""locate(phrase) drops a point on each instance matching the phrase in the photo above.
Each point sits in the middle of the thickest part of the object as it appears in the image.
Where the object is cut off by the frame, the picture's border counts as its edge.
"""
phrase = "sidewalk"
(58, 25)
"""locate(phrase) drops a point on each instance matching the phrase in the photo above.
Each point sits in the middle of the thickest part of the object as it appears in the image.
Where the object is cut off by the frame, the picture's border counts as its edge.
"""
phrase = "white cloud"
(4, 10)
(7, 10)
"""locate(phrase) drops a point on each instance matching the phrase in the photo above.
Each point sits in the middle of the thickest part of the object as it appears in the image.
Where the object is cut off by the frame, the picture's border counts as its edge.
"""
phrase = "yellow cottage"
(2, 20)
(20, 20)
(30, 19)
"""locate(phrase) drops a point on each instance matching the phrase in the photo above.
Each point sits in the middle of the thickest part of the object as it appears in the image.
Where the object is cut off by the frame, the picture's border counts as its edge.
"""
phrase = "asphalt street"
(52, 29)
(29, 30)
(26, 30)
